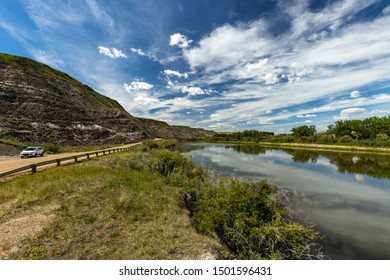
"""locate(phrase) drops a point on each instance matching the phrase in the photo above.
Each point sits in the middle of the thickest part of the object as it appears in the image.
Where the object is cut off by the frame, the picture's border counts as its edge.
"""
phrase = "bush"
(345, 139)
(149, 145)
(246, 219)
(382, 137)
(52, 149)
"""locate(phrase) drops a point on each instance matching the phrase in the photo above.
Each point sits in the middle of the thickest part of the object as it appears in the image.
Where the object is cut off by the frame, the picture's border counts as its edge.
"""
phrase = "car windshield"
(30, 149)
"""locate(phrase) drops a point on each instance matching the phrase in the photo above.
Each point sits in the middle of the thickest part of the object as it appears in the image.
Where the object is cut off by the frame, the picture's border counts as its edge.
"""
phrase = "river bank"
(314, 147)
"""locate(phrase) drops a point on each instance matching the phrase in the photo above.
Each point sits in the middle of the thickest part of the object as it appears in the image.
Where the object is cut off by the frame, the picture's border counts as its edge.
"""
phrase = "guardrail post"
(58, 162)
(33, 168)
(75, 158)
(104, 153)
(97, 154)
(88, 156)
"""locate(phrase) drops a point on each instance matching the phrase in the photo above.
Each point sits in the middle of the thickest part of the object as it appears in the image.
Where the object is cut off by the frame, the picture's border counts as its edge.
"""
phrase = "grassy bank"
(152, 203)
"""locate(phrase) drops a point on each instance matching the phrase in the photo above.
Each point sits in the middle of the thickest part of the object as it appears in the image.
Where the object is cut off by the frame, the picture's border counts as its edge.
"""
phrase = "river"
(346, 195)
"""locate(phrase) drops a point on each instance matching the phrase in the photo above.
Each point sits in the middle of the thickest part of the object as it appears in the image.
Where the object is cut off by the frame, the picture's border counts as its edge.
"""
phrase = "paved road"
(13, 163)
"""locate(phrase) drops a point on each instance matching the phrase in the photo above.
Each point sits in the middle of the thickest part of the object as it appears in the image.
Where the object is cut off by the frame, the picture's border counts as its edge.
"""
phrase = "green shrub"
(345, 139)
(53, 149)
(382, 137)
(149, 145)
(246, 219)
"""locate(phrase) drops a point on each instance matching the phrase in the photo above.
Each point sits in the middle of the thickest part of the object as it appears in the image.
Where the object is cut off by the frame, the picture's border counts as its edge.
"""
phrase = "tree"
(303, 130)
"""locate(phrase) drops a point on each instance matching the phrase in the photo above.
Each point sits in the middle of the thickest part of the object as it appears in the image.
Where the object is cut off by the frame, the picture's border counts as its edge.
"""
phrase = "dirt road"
(13, 163)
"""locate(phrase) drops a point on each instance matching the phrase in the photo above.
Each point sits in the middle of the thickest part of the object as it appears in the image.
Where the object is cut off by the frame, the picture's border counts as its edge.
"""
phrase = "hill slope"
(41, 104)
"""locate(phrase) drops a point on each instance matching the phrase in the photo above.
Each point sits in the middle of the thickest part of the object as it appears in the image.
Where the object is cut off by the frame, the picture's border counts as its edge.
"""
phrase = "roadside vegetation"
(370, 132)
(151, 203)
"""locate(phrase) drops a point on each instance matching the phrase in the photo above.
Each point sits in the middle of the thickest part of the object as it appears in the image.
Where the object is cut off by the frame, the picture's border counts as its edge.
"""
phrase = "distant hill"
(41, 104)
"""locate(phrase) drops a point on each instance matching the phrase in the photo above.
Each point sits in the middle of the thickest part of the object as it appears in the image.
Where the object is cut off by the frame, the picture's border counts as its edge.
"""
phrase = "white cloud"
(355, 94)
(230, 46)
(307, 116)
(111, 52)
(383, 97)
(138, 51)
(195, 90)
(144, 100)
(175, 73)
(346, 113)
(386, 10)
(136, 86)
(379, 111)
(264, 121)
(180, 40)
(271, 78)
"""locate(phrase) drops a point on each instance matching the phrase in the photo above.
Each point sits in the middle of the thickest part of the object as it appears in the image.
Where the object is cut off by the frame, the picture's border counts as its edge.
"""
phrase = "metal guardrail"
(58, 161)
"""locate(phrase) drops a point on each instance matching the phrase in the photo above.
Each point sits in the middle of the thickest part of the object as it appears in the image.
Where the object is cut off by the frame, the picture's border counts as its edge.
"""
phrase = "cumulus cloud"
(347, 113)
(193, 90)
(138, 51)
(111, 52)
(137, 85)
(355, 94)
(180, 40)
(271, 78)
(175, 73)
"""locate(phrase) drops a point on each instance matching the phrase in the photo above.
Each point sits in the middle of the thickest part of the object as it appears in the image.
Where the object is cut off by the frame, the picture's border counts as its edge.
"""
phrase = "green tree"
(303, 130)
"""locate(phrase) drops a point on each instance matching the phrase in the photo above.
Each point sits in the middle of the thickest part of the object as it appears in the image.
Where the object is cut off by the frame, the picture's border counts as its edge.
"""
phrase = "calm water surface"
(346, 195)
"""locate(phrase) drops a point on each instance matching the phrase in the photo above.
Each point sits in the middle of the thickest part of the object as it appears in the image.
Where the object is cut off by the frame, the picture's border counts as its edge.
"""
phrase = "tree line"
(373, 131)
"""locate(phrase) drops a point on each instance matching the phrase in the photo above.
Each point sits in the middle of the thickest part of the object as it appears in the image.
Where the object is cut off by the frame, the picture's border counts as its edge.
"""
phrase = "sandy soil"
(17, 228)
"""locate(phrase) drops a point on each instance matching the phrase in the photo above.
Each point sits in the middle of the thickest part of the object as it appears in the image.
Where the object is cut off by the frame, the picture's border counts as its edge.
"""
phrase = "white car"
(32, 152)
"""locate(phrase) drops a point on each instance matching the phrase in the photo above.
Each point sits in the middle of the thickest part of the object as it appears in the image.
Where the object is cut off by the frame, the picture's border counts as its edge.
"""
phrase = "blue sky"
(225, 65)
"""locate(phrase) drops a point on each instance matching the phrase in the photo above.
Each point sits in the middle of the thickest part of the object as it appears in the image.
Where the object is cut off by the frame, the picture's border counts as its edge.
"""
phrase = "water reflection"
(377, 166)
(346, 195)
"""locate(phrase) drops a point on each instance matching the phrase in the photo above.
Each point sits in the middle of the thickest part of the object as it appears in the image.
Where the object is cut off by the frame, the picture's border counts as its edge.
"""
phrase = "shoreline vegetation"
(369, 135)
(308, 146)
(150, 203)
